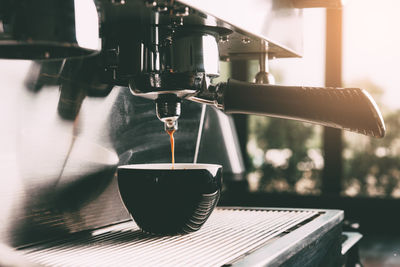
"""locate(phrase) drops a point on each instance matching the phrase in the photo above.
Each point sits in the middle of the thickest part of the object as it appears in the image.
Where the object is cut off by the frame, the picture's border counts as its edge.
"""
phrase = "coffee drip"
(172, 140)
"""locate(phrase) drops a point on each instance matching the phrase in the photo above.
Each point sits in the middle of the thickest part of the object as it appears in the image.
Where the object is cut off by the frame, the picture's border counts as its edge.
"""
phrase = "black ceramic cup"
(169, 201)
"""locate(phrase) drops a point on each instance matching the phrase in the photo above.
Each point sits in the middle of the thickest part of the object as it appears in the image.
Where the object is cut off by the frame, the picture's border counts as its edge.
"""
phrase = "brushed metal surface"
(48, 29)
(231, 236)
(61, 144)
(219, 139)
(352, 238)
(276, 21)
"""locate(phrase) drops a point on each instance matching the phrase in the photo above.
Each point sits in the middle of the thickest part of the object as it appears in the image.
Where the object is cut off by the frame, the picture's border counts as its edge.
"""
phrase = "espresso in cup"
(165, 200)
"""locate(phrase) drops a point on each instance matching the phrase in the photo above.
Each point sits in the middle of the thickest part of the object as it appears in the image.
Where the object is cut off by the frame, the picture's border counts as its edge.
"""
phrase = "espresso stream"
(171, 138)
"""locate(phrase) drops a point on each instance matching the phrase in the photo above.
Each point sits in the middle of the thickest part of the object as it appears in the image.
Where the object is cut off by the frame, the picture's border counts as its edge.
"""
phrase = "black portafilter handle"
(351, 109)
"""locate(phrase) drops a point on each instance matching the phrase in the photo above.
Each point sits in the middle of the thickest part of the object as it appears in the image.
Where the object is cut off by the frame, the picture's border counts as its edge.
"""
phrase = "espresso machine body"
(71, 116)
(68, 124)
(59, 173)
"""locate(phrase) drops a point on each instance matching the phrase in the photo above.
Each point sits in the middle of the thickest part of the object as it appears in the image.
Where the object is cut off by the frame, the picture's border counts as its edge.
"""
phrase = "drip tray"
(231, 236)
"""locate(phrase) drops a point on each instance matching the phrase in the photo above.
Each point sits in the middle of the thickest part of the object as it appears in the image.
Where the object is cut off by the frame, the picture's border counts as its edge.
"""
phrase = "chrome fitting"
(168, 109)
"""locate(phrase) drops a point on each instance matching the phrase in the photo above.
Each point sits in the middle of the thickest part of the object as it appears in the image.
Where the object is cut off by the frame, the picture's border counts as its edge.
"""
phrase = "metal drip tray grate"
(228, 235)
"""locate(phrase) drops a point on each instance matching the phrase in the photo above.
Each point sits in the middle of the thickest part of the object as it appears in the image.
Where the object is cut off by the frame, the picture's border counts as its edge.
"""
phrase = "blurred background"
(297, 164)
(292, 160)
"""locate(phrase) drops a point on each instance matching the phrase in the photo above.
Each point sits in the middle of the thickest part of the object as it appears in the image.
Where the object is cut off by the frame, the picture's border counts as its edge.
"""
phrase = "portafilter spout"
(168, 108)
(176, 69)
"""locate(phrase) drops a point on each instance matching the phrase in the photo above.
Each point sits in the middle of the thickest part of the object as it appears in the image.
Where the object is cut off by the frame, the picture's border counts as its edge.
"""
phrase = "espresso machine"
(95, 84)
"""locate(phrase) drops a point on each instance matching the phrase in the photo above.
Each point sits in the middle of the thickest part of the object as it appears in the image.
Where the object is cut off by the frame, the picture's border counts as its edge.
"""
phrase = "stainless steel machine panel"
(276, 21)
